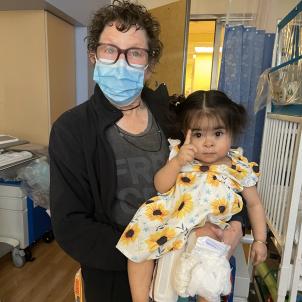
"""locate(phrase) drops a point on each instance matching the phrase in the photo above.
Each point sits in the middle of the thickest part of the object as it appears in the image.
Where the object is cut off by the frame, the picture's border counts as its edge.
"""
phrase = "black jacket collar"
(109, 114)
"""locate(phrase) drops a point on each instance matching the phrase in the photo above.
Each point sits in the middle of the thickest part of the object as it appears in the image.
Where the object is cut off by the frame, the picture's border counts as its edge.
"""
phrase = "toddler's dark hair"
(210, 104)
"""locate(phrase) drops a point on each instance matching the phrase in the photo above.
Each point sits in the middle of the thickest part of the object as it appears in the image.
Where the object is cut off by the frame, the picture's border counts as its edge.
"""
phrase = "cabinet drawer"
(11, 191)
(13, 203)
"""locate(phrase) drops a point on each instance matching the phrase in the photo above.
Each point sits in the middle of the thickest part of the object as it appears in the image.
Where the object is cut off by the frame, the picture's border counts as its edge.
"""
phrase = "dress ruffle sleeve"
(245, 172)
(174, 147)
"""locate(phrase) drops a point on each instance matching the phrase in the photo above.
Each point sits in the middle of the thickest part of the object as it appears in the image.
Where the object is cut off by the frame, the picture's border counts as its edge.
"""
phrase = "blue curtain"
(247, 52)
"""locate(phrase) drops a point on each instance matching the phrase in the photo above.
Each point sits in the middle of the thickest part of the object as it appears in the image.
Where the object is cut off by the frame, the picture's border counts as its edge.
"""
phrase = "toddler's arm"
(165, 178)
(258, 222)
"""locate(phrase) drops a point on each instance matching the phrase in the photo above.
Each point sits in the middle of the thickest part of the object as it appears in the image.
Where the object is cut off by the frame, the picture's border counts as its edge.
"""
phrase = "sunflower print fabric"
(201, 193)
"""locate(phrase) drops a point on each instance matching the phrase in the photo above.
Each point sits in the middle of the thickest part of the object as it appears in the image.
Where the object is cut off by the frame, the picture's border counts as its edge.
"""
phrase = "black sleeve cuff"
(237, 217)
(242, 217)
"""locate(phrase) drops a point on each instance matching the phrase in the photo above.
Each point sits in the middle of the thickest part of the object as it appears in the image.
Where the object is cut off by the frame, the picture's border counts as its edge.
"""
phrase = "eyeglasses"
(135, 57)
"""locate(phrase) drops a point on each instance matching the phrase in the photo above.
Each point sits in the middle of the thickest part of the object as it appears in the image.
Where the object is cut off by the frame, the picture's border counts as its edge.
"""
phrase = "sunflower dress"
(201, 193)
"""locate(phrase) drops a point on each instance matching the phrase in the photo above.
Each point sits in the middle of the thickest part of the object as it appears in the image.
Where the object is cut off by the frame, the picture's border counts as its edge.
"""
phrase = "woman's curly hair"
(127, 14)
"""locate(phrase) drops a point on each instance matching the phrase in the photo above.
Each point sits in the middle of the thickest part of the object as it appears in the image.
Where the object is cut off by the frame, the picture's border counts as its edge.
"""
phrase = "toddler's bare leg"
(140, 277)
(200, 299)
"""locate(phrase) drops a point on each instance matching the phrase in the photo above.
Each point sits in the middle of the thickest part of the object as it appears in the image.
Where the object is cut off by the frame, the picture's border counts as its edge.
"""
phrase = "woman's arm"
(230, 236)
(165, 178)
(88, 240)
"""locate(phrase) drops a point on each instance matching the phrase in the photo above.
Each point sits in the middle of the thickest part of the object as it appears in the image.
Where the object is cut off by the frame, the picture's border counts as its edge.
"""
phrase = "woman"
(104, 152)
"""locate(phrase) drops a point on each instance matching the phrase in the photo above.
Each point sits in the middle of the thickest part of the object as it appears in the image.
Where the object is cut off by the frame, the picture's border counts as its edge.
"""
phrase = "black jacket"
(83, 178)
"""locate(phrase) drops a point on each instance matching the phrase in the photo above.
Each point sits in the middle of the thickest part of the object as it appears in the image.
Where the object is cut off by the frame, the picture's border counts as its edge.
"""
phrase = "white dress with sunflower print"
(201, 193)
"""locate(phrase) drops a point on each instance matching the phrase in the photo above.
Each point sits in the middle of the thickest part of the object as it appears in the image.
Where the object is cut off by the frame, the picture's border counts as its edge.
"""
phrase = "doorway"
(205, 40)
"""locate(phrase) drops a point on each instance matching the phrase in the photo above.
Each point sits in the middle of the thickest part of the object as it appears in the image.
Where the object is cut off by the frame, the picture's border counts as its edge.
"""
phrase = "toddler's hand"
(186, 152)
(258, 252)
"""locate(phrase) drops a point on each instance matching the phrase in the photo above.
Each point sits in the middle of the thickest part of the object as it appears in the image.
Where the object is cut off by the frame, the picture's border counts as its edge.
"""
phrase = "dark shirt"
(138, 157)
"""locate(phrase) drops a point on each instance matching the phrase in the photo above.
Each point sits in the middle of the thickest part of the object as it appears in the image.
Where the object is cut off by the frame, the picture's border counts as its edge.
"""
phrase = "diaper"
(204, 270)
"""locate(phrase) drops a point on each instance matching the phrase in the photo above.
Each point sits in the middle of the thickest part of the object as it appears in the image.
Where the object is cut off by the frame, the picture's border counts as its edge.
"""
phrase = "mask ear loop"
(95, 59)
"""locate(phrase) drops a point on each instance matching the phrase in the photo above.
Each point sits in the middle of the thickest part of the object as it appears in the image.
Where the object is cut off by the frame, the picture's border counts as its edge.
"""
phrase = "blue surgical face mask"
(120, 83)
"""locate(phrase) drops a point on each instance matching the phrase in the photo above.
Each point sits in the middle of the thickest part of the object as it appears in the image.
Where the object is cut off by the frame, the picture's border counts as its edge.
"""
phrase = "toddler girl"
(199, 183)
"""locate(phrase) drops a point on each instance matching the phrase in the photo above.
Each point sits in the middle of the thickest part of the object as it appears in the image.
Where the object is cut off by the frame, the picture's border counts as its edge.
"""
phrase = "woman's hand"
(232, 235)
(211, 230)
(258, 252)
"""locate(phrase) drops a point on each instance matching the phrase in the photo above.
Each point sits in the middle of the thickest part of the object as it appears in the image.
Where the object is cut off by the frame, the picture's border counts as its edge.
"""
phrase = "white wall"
(223, 6)
(154, 3)
(81, 64)
(276, 11)
(79, 10)
(268, 11)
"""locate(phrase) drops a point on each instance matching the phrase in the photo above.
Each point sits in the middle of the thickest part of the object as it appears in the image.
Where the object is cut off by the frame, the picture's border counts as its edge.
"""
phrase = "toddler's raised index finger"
(188, 137)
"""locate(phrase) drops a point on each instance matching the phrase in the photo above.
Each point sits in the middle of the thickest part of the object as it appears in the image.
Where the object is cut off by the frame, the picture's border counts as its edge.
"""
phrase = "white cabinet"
(13, 214)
